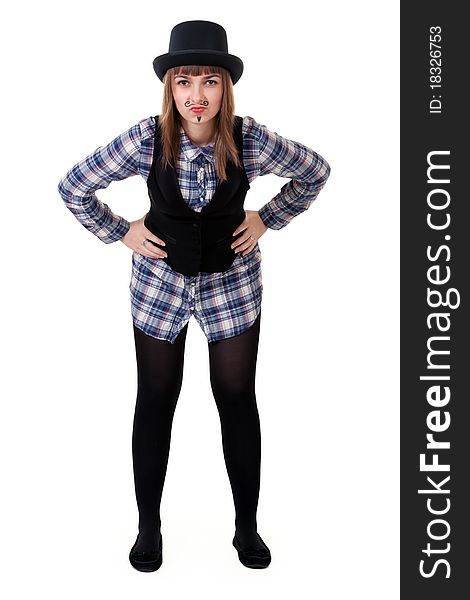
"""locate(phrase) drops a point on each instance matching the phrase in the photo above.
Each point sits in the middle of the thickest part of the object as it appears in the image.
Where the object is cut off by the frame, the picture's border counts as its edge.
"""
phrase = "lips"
(198, 108)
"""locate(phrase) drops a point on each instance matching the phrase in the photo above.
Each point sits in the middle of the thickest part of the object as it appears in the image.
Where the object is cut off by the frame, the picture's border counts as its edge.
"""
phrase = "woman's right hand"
(136, 236)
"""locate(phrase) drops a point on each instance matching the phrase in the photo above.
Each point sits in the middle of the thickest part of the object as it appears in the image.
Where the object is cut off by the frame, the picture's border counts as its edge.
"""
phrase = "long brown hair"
(170, 123)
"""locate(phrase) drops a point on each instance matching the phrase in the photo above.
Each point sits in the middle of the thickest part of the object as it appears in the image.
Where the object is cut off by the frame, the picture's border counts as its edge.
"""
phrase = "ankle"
(149, 528)
(246, 527)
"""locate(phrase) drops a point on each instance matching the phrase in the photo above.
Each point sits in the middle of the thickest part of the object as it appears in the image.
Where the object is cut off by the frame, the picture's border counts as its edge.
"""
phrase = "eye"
(213, 81)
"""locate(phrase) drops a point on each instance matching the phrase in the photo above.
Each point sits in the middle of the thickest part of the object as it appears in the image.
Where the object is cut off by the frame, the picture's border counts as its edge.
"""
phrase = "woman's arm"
(117, 160)
(307, 170)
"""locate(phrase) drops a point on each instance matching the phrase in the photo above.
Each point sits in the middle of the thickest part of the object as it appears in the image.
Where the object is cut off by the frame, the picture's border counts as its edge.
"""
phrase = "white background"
(325, 74)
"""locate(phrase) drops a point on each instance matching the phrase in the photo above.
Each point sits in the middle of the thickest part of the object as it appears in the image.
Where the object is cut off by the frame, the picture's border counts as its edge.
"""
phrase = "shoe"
(146, 561)
(251, 557)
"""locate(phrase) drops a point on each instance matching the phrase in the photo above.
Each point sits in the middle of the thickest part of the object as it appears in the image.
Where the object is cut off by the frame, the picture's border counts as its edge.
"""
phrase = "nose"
(198, 94)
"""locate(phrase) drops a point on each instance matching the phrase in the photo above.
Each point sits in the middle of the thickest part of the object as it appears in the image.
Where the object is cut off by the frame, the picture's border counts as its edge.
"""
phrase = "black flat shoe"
(251, 557)
(146, 561)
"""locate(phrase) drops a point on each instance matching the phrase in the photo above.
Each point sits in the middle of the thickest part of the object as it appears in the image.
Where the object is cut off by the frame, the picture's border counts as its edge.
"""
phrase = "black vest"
(196, 241)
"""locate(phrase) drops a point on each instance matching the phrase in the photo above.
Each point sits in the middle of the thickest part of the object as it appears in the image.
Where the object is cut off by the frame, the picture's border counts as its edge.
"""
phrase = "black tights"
(232, 375)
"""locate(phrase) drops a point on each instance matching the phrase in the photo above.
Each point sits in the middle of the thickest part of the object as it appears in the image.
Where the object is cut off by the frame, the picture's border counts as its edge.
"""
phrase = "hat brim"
(232, 63)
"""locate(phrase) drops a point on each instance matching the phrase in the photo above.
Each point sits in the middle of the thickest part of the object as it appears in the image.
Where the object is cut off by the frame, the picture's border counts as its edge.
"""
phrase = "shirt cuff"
(270, 219)
(114, 233)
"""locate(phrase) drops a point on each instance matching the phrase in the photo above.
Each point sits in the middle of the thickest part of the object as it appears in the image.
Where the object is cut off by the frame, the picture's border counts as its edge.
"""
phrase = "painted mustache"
(204, 103)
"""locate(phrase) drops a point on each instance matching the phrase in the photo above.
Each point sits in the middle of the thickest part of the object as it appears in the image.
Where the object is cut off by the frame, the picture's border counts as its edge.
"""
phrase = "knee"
(234, 391)
(159, 388)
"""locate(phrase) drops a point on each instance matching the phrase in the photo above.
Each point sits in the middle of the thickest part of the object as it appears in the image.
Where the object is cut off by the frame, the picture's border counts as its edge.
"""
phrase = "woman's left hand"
(252, 226)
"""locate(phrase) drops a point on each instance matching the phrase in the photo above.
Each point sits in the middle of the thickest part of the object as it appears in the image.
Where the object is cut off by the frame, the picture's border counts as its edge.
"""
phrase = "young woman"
(196, 253)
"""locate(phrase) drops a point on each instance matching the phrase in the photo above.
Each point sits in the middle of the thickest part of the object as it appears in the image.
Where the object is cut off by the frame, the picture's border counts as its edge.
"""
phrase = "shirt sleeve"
(307, 170)
(116, 160)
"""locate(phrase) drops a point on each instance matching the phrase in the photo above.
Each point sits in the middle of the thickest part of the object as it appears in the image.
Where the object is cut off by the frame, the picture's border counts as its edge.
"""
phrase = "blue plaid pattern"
(163, 300)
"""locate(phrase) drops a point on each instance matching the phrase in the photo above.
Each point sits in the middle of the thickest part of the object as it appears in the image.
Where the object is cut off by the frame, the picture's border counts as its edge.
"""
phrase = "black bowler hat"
(198, 43)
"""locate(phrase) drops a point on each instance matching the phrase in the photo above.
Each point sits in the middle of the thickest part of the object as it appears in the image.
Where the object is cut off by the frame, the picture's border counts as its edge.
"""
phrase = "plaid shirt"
(163, 300)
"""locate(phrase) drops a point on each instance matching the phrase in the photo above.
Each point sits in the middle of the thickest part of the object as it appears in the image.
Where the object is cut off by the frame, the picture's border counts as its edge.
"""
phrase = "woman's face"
(205, 91)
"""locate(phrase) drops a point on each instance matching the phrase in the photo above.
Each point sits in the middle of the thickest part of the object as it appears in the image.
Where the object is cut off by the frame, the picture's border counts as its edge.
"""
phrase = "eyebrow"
(206, 76)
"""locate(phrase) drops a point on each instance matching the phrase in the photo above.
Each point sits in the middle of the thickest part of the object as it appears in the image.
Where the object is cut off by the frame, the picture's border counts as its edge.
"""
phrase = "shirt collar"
(193, 152)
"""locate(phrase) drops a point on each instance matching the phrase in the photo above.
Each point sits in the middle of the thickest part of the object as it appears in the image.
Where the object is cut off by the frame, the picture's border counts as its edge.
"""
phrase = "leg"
(232, 373)
(160, 375)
